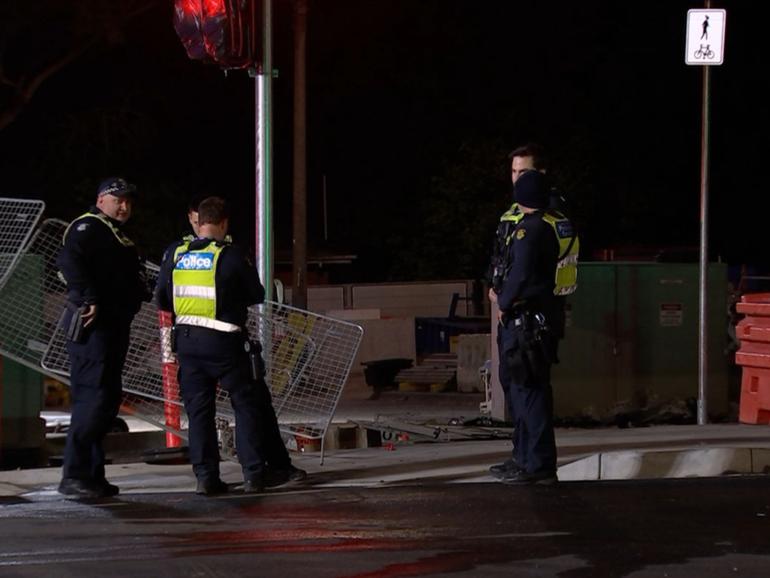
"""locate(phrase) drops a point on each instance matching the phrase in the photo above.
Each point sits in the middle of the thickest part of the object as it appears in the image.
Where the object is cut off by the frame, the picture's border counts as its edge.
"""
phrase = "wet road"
(676, 528)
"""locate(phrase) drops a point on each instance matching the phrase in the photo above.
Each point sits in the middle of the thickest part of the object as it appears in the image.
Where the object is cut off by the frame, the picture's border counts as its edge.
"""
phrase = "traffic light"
(221, 31)
(188, 17)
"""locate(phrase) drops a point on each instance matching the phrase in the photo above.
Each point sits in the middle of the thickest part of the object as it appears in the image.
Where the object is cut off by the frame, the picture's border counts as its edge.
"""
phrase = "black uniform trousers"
(530, 403)
(207, 358)
(96, 388)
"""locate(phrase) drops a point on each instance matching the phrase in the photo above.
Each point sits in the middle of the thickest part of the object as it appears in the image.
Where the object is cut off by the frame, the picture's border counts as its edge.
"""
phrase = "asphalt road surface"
(688, 528)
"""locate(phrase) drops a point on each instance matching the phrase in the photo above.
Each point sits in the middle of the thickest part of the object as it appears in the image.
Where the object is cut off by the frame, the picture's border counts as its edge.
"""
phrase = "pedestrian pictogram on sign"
(705, 37)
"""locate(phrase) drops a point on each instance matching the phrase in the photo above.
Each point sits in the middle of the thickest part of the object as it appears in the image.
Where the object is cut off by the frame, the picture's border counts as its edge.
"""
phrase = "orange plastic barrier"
(753, 356)
(172, 411)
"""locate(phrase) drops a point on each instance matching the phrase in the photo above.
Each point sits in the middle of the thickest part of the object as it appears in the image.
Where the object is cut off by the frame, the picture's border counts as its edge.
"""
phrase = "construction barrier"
(308, 356)
(169, 368)
(18, 218)
(753, 356)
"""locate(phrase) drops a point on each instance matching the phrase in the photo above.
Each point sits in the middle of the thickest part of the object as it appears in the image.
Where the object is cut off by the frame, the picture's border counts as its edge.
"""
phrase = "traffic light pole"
(264, 156)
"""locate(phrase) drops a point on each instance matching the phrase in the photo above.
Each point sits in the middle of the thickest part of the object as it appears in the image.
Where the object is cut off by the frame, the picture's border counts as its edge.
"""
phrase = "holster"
(534, 350)
(256, 363)
(74, 330)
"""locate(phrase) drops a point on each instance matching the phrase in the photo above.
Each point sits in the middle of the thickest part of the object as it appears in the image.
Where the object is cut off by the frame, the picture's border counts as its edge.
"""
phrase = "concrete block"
(585, 469)
(344, 436)
(711, 462)
(385, 339)
(620, 465)
(411, 299)
(674, 464)
(472, 352)
(760, 461)
(321, 298)
(354, 314)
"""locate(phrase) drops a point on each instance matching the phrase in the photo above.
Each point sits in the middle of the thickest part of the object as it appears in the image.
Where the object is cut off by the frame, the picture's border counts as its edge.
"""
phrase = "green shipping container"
(632, 336)
(22, 431)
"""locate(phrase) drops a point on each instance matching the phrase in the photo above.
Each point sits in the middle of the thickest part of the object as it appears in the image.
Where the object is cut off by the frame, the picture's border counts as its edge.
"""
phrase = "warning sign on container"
(671, 314)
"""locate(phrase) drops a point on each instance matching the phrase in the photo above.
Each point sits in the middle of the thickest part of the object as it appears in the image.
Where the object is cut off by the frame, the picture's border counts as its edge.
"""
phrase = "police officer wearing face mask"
(105, 288)
(209, 284)
(542, 267)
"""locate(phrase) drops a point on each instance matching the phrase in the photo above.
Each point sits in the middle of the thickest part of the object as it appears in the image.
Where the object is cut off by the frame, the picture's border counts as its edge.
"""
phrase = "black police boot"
(507, 468)
(254, 484)
(280, 476)
(296, 474)
(523, 478)
(76, 488)
(210, 487)
(108, 488)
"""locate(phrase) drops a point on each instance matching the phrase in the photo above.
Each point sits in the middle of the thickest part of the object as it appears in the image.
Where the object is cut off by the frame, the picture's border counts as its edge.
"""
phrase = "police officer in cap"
(105, 289)
(209, 284)
(543, 243)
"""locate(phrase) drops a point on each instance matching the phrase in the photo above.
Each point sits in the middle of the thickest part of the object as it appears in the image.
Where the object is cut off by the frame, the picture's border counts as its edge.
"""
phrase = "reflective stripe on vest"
(215, 324)
(119, 235)
(195, 292)
(569, 247)
(513, 214)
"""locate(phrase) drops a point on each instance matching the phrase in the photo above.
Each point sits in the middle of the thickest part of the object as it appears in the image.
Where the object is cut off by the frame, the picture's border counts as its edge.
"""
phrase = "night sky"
(413, 106)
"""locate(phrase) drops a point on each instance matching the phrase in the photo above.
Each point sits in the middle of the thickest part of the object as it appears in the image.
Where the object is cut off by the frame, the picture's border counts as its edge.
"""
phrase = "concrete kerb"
(421, 464)
(584, 455)
(665, 452)
(681, 463)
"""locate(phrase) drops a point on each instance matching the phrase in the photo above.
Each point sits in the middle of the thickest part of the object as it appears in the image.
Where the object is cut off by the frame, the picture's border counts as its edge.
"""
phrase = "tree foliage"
(452, 230)
(40, 38)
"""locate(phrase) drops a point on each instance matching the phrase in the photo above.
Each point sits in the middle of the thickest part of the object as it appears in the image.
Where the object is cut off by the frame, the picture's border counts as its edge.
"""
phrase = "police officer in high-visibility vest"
(209, 284)
(105, 289)
(279, 466)
(530, 156)
(542, 266)
(524, 158)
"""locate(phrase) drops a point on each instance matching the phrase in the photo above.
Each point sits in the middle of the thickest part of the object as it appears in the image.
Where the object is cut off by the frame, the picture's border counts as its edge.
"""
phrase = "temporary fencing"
(18, 218)
(308, 357)
(32, 298)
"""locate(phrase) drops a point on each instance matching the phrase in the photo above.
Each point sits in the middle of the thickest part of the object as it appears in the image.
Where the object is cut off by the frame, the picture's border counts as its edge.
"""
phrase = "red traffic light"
(223, 31)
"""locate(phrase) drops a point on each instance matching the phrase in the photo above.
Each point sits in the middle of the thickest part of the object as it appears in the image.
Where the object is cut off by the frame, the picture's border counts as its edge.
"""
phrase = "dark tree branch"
(23, 89)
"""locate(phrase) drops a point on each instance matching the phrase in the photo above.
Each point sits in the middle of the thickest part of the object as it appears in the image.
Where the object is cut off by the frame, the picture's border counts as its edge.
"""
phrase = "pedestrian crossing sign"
(705, 37)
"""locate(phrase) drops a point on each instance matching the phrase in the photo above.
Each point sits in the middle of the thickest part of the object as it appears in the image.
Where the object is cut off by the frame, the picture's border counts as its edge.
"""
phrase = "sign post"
(704, 47)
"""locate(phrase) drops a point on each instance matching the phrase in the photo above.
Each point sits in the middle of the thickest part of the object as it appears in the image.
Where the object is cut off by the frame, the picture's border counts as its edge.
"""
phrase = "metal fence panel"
(32, 298)
(308, 358)
(18, 218)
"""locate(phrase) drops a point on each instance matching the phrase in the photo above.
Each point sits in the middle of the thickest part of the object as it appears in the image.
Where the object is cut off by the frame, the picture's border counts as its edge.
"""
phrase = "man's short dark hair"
(195, 202)
(212, 210)
(533, 150)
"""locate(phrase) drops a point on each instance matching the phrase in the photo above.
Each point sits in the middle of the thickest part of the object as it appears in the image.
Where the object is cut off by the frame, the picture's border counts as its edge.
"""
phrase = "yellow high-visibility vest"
(119, 235)
(195, 290)
(569, 247)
